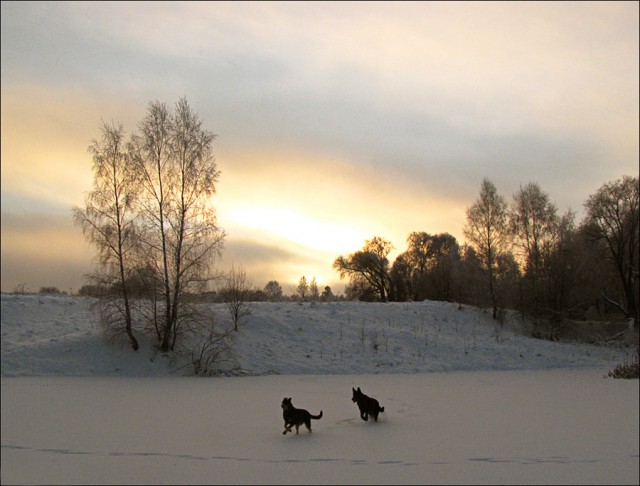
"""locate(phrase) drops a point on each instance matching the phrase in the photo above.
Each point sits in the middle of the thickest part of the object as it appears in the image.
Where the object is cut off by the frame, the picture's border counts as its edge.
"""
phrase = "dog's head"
(356, 394)
(286, 403)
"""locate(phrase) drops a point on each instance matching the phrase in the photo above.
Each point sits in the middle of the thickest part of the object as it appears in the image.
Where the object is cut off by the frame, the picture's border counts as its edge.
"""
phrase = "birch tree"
(486, 230)
(174, 159)
(534, 226)
(108, 222)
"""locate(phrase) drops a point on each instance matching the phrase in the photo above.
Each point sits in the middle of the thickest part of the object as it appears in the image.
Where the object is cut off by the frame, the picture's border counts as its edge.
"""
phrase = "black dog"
(296, 416)
(367, 405)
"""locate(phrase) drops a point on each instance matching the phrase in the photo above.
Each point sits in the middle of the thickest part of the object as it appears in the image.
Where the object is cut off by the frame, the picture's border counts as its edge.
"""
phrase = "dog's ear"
(359, 390)
(353, 389)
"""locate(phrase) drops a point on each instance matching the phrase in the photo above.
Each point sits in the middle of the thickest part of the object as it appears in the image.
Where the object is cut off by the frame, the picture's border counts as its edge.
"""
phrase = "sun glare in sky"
(299, 229)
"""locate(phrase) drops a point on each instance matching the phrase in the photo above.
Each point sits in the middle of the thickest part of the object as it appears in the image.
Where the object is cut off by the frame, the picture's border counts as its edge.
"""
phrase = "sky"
(335, 121)
(461, 405)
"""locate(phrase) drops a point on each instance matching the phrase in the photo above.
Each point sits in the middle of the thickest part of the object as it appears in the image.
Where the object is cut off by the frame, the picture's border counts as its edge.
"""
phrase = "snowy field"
(464, 402)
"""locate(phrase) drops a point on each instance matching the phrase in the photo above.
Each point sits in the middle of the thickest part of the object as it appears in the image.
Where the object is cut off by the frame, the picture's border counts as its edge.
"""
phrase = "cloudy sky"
(335, 122)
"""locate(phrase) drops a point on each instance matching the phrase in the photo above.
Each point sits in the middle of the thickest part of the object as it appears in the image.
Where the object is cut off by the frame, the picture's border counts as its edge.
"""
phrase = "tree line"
(520, 254)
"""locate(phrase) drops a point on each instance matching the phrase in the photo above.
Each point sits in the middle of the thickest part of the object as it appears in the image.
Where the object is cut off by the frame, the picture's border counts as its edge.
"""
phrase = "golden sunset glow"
(288, 225)
(335, 122)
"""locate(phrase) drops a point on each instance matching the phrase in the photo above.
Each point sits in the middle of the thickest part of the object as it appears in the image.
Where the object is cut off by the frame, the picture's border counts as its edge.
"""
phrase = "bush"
(627, 370)
(93, 291)
(212, 347)
(49, 290)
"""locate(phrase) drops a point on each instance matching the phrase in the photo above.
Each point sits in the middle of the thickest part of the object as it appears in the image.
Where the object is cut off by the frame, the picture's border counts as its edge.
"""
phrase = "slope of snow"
(59, 335)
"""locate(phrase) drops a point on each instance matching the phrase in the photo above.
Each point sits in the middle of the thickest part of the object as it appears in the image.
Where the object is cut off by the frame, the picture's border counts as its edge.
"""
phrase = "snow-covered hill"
(59, 335)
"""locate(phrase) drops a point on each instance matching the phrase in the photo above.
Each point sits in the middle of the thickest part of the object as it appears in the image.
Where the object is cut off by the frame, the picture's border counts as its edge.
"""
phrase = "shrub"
(627, 370)
(49, 290)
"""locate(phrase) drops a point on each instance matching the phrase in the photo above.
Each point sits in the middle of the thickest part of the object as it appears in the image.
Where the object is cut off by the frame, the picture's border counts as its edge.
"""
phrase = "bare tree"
(314, 293)
(426, 270)
(417, 258)
(150, 154)
(534, 227)
(302, 289)
(273, 291)
(173, 155)
(612, 218)
(235, 293)
(400, 277)
(487, 231)
(370, 266)
(443, 263)
(108, 221)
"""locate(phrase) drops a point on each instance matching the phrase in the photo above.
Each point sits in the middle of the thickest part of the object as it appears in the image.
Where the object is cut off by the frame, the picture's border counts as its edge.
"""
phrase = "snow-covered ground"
(464, 402)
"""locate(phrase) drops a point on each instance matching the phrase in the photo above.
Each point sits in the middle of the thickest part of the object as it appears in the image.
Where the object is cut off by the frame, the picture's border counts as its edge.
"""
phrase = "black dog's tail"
(382, 409)
(317, 417)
